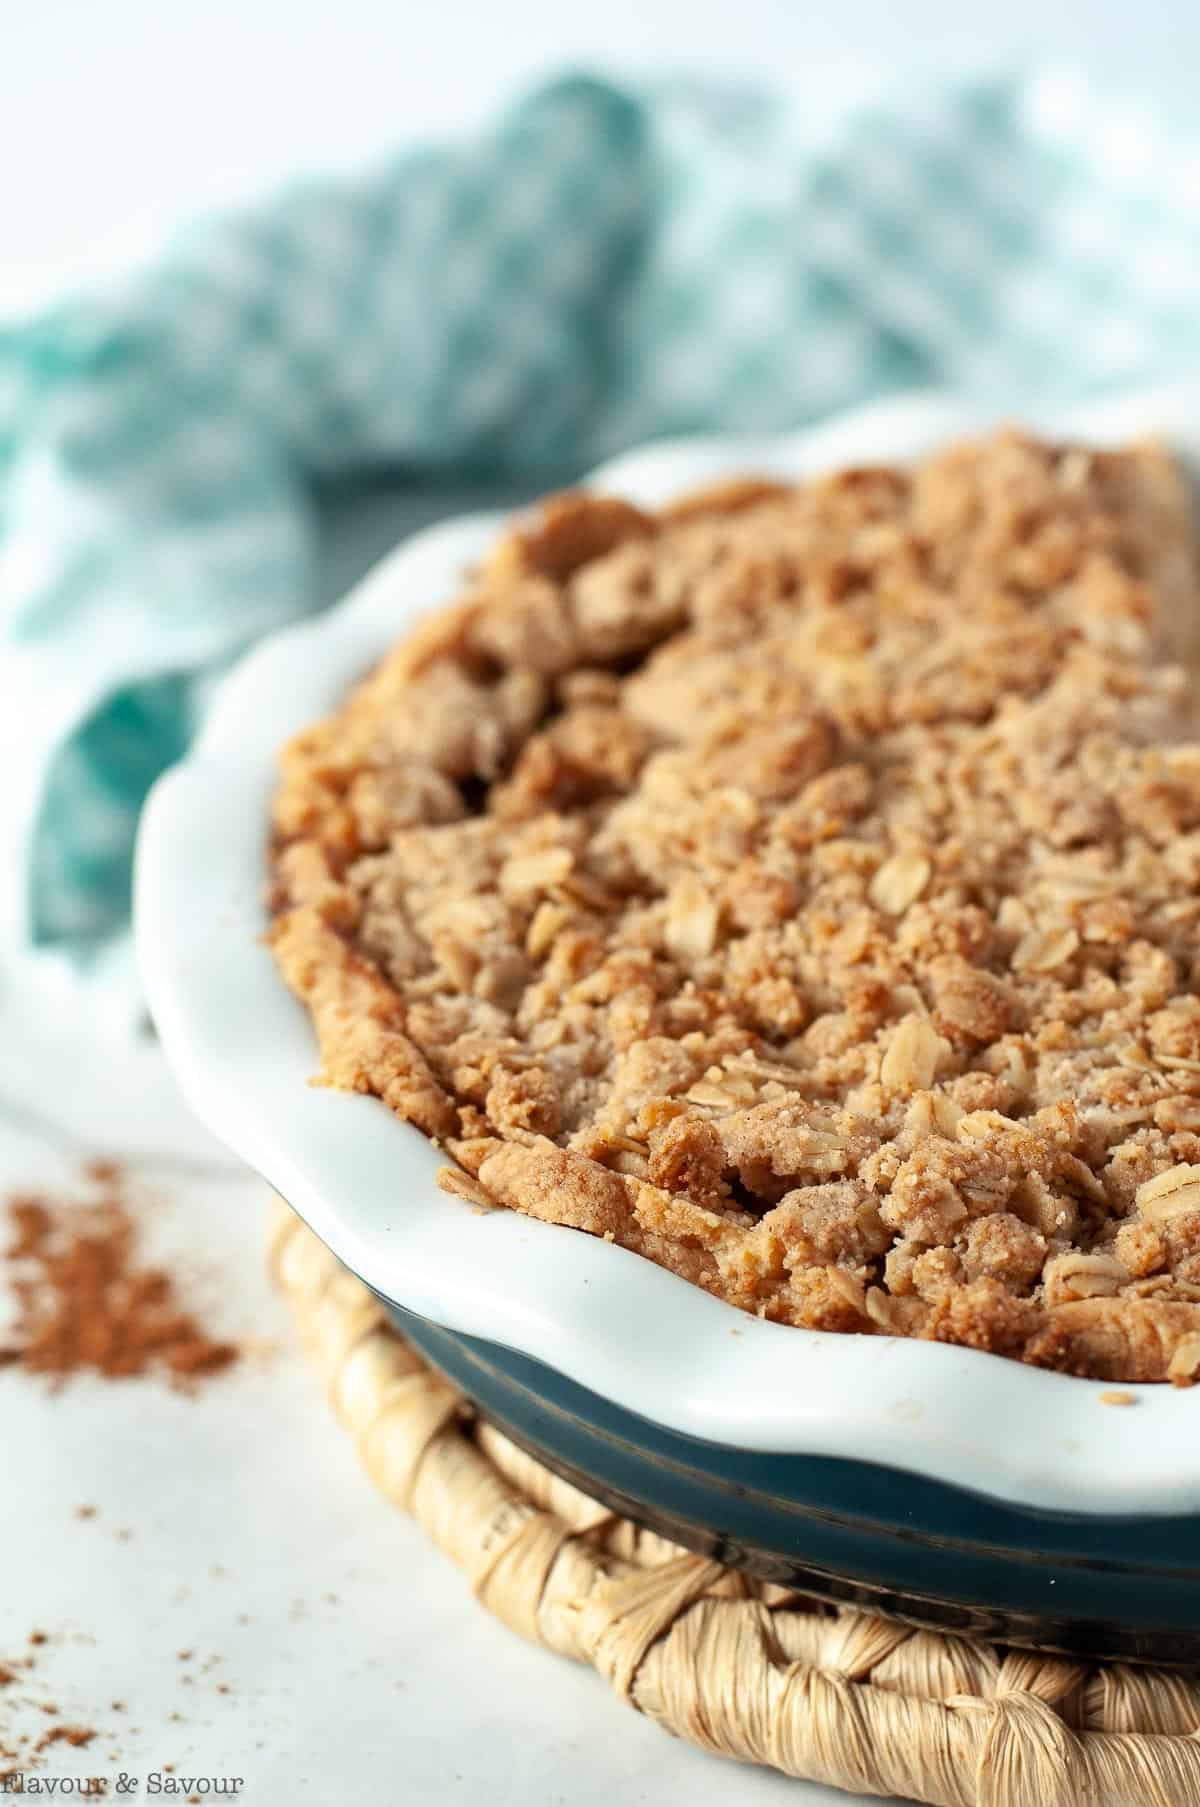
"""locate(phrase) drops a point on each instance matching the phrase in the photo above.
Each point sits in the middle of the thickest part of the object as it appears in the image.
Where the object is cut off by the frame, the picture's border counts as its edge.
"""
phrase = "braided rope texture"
(738, 1666)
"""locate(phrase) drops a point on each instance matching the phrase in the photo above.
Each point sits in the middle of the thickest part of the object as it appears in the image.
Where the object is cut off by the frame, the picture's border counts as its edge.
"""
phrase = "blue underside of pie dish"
(1095, 1586)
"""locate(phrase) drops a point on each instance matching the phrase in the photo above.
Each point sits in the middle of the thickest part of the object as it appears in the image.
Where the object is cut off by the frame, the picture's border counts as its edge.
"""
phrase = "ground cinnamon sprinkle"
(75, 1735)
(82, 1302)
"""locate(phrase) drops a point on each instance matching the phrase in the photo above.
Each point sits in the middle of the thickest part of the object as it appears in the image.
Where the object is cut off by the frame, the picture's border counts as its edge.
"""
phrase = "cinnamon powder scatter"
(83, 1303)
(103, 1172)
(75, 1735)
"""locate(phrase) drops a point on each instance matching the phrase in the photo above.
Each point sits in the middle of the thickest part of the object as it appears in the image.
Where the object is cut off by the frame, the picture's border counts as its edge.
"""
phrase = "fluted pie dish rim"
(242, 1049)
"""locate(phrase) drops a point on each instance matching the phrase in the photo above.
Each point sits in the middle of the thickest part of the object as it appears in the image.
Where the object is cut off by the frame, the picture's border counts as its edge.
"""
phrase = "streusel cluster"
(800, 887)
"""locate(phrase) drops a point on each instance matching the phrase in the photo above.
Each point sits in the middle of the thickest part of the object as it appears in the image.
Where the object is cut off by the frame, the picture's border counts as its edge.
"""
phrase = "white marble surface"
(336, 1657)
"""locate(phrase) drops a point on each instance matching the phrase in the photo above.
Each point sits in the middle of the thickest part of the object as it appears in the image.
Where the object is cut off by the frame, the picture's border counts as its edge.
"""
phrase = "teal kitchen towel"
(603, 266)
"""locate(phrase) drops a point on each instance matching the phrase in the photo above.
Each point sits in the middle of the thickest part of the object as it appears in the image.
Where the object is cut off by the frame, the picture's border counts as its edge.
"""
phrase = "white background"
(358, 1668)
(119, 115)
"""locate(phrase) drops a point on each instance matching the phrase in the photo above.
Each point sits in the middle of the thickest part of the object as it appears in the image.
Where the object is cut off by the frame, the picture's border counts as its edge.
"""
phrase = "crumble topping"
(800, 887)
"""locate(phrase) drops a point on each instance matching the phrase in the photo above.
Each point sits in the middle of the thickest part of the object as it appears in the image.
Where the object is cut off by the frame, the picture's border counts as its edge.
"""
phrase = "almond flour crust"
(800, 887)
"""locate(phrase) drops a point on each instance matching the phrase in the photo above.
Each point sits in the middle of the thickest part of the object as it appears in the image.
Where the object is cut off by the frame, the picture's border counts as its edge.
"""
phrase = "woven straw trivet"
(738, 1666)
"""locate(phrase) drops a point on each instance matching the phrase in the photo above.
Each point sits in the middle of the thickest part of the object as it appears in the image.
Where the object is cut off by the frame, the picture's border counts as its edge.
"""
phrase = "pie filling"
(800, 887)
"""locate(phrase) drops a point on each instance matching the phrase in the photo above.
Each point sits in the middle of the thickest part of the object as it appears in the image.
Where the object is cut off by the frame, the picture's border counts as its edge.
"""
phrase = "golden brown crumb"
(802, 888)
(1116, 1396)
(462, 1185)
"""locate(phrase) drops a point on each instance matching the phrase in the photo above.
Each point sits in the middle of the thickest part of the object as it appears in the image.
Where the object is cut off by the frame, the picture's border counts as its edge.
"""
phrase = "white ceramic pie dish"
(243, 1049)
